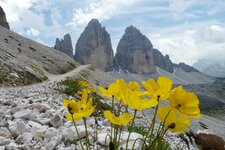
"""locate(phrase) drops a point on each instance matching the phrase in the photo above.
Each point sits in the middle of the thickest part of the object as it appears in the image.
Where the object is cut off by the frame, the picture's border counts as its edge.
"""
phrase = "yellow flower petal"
(122, 120)
(173, 121)
(165, 84)
(134, 86)
(184, 102)
(159, 90)
(75, 117)
(134, 101)
(125, 118)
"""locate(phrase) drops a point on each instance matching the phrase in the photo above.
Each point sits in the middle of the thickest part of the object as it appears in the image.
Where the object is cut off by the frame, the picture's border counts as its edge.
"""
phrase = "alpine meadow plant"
(175, 116)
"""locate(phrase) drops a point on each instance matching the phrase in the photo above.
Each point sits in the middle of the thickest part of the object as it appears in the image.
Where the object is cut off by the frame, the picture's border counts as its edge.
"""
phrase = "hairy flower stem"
(160, 133)
(115, 135)
(87, 139)
(119, 135)
(151, 128)
(132, 124)
(113, 112)
(77, 133)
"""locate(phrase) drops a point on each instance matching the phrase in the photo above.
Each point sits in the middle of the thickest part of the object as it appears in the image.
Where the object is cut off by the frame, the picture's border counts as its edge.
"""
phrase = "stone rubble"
(32, 118)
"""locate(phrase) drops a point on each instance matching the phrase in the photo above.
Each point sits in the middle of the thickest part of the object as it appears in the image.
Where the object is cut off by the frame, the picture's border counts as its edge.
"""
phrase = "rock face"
(23, 61)
(186, 67)
(64, 45)
(162, 62)
(135, 52)
(3, 21)
(94, 47)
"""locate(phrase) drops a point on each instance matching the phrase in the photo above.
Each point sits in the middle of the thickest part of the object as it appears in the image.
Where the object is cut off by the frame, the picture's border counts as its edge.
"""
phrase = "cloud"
(101, 9)
(188, 44)
(33, 32)
(28, 17)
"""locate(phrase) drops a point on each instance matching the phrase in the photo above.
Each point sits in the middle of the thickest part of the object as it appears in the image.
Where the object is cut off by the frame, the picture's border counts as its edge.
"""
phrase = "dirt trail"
(58, 78)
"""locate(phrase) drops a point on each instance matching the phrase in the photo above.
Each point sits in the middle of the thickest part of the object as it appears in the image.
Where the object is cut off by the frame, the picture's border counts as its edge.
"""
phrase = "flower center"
(70, 108)
(178, 106)
(172, 126)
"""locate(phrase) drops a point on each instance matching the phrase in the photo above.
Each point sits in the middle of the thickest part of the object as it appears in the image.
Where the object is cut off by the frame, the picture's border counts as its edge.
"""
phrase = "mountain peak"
(94, 47)
(131, 28)
(135, 52)
(64, 45)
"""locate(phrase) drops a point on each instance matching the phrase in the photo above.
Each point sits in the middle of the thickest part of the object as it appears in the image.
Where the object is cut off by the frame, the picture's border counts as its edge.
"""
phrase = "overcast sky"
(187, 30)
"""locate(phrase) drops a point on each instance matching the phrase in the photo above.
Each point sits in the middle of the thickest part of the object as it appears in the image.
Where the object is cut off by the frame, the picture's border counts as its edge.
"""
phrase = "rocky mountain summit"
(211, 67)
(135, 52)
(3, 21)
(185, 67)
(94, 47)
(64, 45)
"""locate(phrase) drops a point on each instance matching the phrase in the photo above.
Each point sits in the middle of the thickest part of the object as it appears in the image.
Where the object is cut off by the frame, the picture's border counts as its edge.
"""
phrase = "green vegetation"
(73, 87)
(138, 129)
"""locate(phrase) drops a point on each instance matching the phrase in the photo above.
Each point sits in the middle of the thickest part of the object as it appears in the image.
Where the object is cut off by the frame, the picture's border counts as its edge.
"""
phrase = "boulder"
(135, 52)
(94, 47)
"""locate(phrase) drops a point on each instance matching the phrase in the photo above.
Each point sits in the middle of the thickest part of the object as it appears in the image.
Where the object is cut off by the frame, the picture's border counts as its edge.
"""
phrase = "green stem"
(160, 130)
(119, 108)
(136, 141)
(119, 136)
(112, 104)
(135, 112)
(159, 137)
(115, 135)
(77, 133)
(106, 140)
(151, 128)
(112, 112)
(87, 139)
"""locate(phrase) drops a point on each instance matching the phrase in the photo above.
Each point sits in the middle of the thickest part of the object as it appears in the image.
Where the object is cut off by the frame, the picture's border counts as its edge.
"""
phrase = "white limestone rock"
(53, 142)
(102, 139)
(5, 132)
(4, 141)
(35, 125)
(18, 127)
(71, 134)
(40, 106)
(24, 114)
(137, 146)
(12, 146)
(56, 120)
(2, 147)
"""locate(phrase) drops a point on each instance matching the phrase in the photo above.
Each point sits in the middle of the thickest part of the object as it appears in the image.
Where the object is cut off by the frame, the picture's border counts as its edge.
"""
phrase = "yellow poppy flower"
(71, 105)
(81, 109)
(158, 90)
(134, 86)
(172, 121)
(185, 102)
(133, 100)
(112, 91)
(122, 120)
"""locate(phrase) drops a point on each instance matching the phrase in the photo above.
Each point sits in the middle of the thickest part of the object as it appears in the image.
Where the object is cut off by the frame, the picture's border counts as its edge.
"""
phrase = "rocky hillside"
(135, 52)
(3, 21)
(64, 45)
(162, 62)
(24, 61)
(94, 47)
(211, 67)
